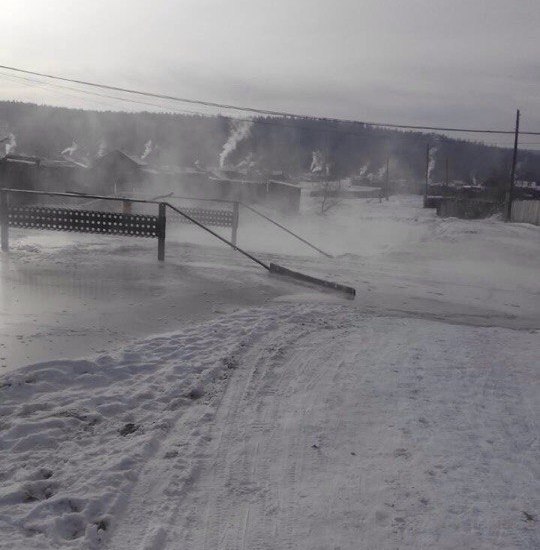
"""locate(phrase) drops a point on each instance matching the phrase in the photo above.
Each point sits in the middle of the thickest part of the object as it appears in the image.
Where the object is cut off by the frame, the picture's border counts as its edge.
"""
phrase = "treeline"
(271, 144)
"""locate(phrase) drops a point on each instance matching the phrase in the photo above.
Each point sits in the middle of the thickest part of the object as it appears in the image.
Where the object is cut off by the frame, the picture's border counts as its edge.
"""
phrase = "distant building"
(117, 173)
(62, 175)
(19, 172)
(528, 184)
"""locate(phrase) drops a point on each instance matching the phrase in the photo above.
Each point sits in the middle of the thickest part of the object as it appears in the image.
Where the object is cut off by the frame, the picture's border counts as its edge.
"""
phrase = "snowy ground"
(267, 414)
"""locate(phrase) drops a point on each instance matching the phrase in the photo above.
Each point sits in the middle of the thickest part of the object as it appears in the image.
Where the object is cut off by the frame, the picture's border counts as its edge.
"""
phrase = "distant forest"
(270, 144)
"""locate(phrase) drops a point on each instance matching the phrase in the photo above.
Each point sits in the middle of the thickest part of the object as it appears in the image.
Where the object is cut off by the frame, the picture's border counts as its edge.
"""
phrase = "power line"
(167, 108)
(40, 83)
(277, 122)
(263, 111)
(271, 122)
(45, 86)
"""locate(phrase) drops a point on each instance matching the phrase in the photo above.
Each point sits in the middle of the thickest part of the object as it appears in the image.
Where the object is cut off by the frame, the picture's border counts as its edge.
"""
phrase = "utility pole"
(446, 174)
(427, 175)
(510, 193)
(387, 182)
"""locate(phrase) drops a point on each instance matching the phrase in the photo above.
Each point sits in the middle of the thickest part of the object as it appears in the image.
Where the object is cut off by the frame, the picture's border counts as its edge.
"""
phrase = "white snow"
(405, 419)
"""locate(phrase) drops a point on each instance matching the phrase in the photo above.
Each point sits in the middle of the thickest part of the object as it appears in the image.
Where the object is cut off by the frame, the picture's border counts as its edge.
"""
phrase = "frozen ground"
(271, 415)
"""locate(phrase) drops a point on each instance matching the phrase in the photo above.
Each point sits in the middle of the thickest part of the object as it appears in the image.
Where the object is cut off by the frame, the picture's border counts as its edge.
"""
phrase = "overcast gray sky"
(451, 62)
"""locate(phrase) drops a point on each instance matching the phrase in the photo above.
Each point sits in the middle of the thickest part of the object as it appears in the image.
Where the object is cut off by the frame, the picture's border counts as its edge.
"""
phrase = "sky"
(467, 63)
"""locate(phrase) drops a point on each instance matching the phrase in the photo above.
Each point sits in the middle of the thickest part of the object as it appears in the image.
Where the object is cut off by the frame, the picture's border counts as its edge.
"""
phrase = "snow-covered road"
(340, 431)
(298, 426)
(268, 415)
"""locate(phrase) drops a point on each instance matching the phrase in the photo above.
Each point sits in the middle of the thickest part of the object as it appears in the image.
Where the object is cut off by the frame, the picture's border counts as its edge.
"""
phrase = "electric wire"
(167, 108)
(267, 112)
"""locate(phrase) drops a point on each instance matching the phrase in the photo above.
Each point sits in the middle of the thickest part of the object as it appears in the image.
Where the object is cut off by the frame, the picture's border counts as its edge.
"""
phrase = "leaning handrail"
(193, 220)
(287, 230)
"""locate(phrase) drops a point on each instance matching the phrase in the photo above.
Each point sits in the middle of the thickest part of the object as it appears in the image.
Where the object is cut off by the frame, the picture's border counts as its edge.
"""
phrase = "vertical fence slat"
(162, 222)
(526, 212)
(236, 215)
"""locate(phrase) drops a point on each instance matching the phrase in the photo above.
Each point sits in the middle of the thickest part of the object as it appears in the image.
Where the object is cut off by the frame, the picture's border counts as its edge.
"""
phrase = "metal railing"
(236, 210)
(126, 223)
(282, 227)
(90, 221)
(236, 205)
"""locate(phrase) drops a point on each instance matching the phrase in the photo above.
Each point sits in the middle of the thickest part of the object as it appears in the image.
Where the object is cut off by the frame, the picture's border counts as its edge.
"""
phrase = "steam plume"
(101, 149)
(68, 151)
(317, 162)
(240, 130)
(147, 149)
(11, 144)
(363, 170)
(431, 163)
(248, 162)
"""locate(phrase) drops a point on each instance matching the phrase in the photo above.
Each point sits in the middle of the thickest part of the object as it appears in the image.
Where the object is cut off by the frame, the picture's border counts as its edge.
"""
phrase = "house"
(20, 172)
(62, 175)
(117, 173)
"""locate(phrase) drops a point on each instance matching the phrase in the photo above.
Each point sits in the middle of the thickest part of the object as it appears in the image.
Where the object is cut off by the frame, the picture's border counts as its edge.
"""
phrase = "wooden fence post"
(236, 216)
(162, 222)
(127, 207)
(4, 220)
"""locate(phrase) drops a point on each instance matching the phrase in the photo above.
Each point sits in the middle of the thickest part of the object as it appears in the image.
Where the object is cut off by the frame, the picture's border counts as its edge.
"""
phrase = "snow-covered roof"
(122, 154)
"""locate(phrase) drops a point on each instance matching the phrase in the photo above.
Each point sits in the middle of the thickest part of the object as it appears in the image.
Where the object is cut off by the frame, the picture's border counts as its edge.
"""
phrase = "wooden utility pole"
(387, 182)
(446, 174)
(510, 193)
(427, 175)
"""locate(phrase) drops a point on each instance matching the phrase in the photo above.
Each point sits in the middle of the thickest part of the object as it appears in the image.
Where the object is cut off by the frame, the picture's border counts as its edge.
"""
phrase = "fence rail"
(141, 225)
(101, 216)
(110, 223)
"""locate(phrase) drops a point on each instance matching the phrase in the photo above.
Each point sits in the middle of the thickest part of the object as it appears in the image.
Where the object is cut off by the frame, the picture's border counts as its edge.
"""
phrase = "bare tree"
(330, 195)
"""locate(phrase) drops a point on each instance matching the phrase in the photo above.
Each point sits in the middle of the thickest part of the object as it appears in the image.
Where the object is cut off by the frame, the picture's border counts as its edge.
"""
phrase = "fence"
(526, 212)
(127, 223)
(467, 209)
(22, 214)
(432, 201)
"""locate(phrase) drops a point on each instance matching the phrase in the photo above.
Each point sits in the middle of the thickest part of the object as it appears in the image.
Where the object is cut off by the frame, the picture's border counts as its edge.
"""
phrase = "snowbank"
(74, 434)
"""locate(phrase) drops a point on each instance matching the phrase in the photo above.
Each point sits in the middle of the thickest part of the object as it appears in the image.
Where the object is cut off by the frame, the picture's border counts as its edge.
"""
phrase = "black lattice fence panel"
(206, 216)
(84, 221)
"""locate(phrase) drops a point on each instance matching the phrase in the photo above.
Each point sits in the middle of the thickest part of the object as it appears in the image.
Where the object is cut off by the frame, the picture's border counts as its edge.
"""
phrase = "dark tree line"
(272, 144)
